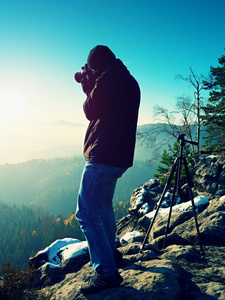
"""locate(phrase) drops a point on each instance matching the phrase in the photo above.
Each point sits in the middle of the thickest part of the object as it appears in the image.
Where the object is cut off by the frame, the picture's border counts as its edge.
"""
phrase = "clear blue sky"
(43, 43)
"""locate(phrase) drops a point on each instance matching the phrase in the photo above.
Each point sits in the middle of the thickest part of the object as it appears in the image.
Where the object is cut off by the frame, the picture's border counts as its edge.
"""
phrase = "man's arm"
(93, 106)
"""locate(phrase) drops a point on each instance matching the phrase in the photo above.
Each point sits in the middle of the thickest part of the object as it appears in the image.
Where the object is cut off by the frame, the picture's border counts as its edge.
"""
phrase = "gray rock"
(154, 279)
(178, 252)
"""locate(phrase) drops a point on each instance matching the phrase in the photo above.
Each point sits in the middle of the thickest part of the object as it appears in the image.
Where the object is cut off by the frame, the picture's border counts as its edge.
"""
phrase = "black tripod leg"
(175, 187)
(160, 203)
(192, 202)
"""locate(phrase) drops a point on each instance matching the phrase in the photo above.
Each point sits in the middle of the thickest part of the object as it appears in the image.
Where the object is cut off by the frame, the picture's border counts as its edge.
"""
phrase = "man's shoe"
(99, 282)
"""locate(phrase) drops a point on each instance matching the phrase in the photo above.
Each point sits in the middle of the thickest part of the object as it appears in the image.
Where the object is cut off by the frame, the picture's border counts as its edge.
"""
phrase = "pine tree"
(214, 117)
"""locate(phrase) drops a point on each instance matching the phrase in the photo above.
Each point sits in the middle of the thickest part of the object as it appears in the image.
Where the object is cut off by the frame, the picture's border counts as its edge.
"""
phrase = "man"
(112, 104)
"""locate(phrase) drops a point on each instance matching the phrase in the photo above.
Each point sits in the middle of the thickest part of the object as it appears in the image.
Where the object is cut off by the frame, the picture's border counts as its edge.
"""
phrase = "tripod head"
(183, 141)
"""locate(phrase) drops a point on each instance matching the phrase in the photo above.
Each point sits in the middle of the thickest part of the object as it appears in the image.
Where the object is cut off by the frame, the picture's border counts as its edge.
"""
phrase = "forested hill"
(25, 230)
(53, 184)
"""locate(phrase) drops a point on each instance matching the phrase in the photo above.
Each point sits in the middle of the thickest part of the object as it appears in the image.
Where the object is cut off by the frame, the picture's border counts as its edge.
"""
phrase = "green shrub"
(14, 282)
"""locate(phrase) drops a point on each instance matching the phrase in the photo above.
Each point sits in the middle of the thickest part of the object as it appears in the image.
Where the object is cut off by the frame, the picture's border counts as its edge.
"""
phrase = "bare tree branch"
(190, 111)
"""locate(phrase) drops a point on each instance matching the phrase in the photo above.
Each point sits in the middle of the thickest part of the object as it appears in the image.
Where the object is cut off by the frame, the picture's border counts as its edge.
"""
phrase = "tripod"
(176, 189)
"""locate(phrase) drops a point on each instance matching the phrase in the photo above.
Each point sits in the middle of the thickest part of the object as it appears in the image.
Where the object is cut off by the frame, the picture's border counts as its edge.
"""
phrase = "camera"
(85, 73)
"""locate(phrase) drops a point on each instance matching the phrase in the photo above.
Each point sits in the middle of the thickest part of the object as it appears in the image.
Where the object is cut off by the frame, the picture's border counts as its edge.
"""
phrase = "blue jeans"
(96, 216)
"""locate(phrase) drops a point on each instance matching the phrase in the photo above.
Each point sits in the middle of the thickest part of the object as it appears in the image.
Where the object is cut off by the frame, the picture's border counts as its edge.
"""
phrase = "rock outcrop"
(209, 177)
(178, 271)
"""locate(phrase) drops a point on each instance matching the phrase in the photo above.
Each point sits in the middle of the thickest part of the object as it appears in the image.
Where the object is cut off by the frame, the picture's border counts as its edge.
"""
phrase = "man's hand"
(88, 84)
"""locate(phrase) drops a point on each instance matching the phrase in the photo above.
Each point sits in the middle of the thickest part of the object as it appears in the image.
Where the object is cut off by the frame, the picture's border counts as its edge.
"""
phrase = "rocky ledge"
(179, 271)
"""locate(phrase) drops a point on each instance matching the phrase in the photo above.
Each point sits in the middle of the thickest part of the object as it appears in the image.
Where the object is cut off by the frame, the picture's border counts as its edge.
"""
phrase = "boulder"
(144, 197)
(209, 177)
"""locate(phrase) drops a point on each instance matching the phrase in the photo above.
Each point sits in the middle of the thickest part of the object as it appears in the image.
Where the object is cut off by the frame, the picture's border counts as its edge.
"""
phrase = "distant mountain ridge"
(58, 139)
(53, 184)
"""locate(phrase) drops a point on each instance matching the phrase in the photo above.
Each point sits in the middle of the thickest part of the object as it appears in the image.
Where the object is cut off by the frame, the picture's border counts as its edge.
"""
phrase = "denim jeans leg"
(96, 216)
(108, 218)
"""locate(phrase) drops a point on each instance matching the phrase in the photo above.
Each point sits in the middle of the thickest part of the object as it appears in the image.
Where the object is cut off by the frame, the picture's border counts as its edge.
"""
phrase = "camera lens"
(78, 77)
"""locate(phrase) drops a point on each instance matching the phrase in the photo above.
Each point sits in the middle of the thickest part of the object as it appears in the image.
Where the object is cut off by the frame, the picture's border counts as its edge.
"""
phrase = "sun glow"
(13, 105)
(18, 91)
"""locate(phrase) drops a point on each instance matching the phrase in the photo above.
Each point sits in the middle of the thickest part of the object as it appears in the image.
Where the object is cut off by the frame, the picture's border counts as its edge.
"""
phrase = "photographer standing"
(111, 106)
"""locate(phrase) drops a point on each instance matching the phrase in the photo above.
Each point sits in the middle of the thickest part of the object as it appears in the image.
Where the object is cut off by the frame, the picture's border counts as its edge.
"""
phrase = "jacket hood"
(100, 58)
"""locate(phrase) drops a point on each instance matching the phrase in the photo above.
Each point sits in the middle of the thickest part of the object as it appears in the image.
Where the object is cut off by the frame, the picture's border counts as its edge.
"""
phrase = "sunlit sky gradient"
(43, 43)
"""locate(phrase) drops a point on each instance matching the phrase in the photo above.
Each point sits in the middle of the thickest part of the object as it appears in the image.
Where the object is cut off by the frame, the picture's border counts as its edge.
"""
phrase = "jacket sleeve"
(93, 106)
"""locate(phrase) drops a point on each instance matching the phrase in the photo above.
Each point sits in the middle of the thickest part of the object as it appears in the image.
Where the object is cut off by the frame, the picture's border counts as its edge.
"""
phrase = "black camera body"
(85, 73)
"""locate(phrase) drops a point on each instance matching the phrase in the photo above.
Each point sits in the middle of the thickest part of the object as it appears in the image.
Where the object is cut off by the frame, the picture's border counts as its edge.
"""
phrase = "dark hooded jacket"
(112, 109)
